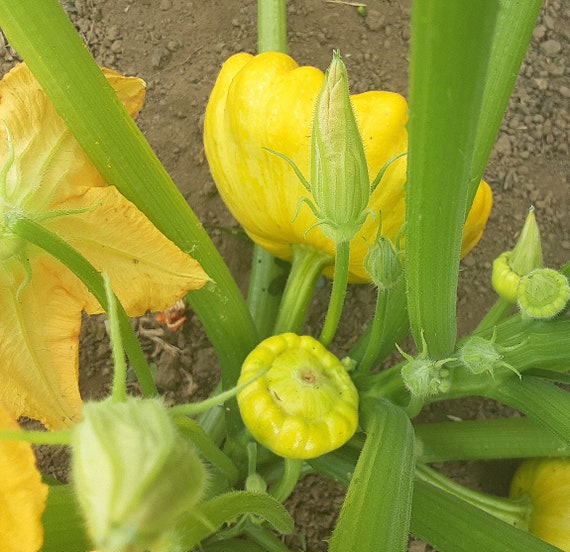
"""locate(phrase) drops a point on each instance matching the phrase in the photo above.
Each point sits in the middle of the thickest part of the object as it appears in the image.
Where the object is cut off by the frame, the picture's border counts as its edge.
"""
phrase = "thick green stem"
(267, 273)
(376, 511)
(62, 437)
(489, 439)
(516, 513)
(272, 26)
(515, 24)
(308, 263)
(88, 274)
(291, 472)
(266, 285)
(389, 326)
(450, 51)
(340, 284)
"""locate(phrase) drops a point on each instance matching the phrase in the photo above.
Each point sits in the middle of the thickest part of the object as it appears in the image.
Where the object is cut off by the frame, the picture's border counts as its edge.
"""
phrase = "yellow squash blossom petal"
(39, 339)
(147, 271)
(48, 161)
(44, 170)
(267, 101)
(22, 494)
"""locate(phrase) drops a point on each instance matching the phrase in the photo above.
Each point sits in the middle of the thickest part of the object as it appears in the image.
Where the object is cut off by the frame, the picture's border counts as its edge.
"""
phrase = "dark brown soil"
(178, 46)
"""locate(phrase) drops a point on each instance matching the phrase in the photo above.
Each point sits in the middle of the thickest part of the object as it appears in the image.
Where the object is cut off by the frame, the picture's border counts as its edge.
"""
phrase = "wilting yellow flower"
(546, 481)
(43, 170)
(22, 494)
(267, 101)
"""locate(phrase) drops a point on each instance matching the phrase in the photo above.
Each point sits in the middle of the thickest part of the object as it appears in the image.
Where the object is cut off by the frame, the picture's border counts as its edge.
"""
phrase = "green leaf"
(453, 525)
(376, 512)
(513, 32)
(450, 50)
(206, 518)
(64, 528)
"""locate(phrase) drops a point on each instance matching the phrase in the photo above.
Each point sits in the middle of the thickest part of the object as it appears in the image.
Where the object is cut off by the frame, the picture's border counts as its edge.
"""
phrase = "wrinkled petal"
(39, 334)
(22, 494)
(147, 271)
(49, 163)
(41, 320)
(267, 101)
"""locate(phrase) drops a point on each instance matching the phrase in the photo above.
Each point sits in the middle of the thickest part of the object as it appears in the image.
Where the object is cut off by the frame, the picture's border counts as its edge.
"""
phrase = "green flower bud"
(543, 293)
(480, 355)
(524, 258)
(423, 376)
(339, 182)
(383, 264)
(527, 254)
(133, 473)
(255, 483)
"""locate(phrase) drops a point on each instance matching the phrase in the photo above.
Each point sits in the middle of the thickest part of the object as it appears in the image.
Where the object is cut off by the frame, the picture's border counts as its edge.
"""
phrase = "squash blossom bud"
(305, 405)
(546, 482)
(480, 355)
(339, 183)
(133, 473)
(525, 257)
(424, 377)
(384, 264)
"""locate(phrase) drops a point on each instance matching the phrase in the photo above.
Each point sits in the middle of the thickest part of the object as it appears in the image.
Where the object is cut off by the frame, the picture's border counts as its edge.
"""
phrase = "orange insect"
(173, 317)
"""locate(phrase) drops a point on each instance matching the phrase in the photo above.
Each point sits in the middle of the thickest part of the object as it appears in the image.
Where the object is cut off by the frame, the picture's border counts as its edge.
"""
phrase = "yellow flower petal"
(267, 101)
(477, 218)
(41, 320)
(22, 494)
(39, 334)
(49, 163)
(147, 271)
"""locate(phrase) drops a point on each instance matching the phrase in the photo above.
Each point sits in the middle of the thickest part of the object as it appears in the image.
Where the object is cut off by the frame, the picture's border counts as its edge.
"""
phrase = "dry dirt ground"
(178, 46)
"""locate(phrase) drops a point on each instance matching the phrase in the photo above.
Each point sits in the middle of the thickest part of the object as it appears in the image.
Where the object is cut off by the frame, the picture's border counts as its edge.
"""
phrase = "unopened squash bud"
(480, 355)
(543, 293)
(339, 182)
(384, 264)
(424, 377)
(133, 473)
(305, 404)
(524, 258)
